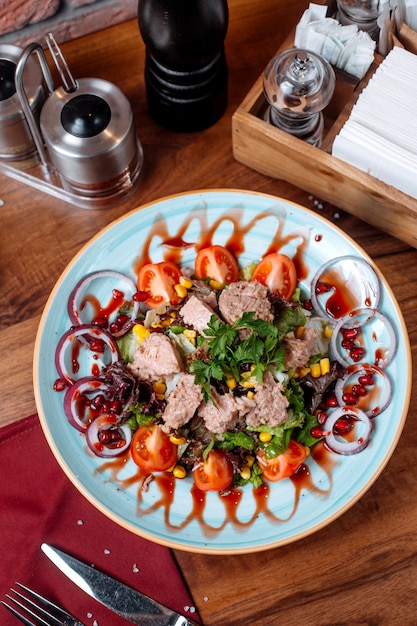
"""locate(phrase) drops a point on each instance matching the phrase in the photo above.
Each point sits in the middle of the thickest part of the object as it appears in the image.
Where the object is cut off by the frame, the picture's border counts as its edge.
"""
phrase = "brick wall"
(24, 21)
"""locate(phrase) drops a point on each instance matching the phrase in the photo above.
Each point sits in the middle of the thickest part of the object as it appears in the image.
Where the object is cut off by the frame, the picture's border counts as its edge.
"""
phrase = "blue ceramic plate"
(291, 511)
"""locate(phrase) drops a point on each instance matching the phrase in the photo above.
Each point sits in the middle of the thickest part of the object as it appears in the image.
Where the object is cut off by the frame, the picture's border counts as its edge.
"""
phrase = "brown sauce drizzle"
(165, 484)
(174, 244)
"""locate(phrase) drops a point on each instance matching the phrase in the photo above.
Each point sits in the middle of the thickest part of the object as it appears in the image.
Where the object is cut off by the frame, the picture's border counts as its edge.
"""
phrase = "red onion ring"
(378, 339)
(341, 446)
(103, 423)
(378, 396)
(351, 278)
(83, 333)
(78, 293)
(83, 386)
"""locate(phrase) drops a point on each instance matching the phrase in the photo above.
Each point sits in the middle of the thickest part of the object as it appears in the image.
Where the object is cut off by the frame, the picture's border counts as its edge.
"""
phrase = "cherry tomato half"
(283, 465)
(217, 263)
(159, 279)
(152, 449)
(277, 272)
(215, 473)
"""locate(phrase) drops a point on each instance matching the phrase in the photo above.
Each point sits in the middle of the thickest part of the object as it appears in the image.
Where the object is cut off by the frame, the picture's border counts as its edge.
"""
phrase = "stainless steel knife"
(134, 606)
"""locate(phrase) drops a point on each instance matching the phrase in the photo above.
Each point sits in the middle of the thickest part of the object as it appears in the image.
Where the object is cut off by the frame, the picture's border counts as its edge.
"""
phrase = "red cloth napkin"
(39, 504)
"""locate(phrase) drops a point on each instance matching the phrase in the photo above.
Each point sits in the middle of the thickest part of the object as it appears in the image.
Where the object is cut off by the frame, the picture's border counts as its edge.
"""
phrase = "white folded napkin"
(345, 47)
(380, 136)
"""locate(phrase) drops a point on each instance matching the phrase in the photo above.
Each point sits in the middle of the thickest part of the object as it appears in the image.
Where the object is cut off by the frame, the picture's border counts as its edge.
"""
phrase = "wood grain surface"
(361, 569)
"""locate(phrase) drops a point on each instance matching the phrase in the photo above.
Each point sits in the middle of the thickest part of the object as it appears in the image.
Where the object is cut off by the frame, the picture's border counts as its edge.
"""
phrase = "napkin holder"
(275, 153)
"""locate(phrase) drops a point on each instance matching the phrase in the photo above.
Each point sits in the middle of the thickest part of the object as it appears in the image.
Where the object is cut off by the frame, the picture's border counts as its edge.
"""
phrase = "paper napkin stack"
(380, 136)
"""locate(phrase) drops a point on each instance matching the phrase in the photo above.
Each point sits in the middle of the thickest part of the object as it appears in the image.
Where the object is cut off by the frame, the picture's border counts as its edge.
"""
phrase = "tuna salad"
(209, 372)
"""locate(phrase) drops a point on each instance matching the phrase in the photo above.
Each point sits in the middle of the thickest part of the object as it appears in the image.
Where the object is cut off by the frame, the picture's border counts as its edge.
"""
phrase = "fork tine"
(52, 620)
(21, 617)
(58, 610)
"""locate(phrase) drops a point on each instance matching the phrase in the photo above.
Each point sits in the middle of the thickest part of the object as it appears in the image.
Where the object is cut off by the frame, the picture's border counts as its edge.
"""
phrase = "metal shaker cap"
(10, 106)
(89, 132)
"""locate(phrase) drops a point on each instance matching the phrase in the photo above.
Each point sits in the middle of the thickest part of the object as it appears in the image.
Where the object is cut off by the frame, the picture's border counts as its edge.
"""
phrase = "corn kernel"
(156, 325)
(231, 382)
(140, 331)
(315, 370)
(215, 284)
(177, 440)
(180, 290)
(328, 331)
(299, 332)
(159, 387)
(324, 366)
(265, 437)
(250, 395)
(245, 472)
(189, 333)
(179, 471)
(250, 460)
(186, 282)
(249, 383)
(303, 371)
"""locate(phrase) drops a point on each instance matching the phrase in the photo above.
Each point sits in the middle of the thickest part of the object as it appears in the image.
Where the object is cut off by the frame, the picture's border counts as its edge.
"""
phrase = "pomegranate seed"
(331, 401)
(98, 401)
(60, 384)
(349, 398)
(117, 293)
(140, 296)
(323, 288)
(350, 333)
(308, 305)
(105, 407)
(122, 319)
(348, 344)
(357, 354)
(343, 426)
(359, 390)
(367, 380)
(317, 432)
(97, 345)
(114, 327)
(101, 322)
(115, 406)
(322, 417)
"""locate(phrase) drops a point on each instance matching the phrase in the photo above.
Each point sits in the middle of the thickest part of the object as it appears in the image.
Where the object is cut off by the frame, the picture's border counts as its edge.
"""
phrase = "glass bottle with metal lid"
(298, 85)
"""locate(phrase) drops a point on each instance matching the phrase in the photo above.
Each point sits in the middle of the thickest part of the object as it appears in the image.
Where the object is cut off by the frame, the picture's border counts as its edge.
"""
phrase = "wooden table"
(362, 569)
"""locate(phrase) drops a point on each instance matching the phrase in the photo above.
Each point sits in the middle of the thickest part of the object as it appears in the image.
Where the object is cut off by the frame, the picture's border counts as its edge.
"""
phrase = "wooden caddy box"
(275, 153)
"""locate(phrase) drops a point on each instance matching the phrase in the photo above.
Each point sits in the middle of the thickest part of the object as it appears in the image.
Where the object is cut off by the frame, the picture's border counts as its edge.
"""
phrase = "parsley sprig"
(228, 352)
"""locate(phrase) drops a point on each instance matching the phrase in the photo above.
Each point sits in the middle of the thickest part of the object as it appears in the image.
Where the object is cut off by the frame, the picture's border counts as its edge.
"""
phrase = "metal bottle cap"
(90, 132)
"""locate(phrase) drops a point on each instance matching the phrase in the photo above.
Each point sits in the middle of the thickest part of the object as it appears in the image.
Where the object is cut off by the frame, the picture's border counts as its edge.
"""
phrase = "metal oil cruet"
(86, 134)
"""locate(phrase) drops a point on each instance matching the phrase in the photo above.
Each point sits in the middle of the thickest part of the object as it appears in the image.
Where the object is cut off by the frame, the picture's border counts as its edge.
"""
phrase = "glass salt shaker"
(298, 85)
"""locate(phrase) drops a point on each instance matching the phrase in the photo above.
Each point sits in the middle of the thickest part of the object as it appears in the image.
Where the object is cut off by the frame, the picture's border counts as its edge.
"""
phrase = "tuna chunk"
(245, 297)
(298, 351)
(182, 403)
(222, 417)
(196, 313)
(270, 404)
(156, 358)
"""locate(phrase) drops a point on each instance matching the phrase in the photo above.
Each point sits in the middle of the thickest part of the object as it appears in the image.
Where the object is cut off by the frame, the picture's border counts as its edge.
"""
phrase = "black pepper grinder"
(185, 68)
